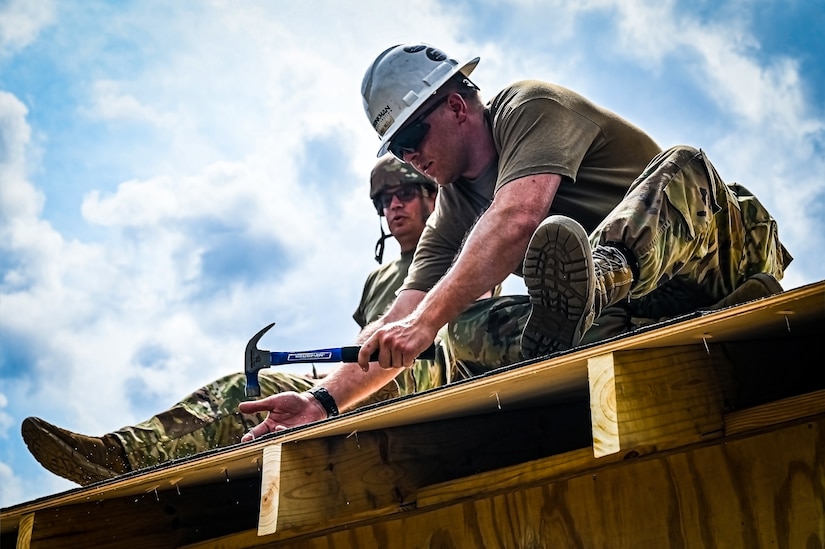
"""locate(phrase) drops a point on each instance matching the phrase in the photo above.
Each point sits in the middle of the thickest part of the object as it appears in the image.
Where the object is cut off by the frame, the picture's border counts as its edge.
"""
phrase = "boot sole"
(58, 456)
(560, 279)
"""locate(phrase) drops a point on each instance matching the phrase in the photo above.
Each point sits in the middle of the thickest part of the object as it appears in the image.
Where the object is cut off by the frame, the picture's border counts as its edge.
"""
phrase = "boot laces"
(608, 259)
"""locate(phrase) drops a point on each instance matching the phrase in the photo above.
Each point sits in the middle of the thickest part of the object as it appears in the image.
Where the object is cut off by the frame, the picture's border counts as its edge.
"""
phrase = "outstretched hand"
(287, 409)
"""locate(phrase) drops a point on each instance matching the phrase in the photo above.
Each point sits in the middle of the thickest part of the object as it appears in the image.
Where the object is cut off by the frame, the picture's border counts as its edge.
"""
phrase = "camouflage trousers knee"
(204, 420)
(695, 238)
(487, 335)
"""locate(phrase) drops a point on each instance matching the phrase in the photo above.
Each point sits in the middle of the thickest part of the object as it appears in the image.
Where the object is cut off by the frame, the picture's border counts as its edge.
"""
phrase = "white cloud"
(21, 21)
(110, 103)
(5, 419)
(12, 489)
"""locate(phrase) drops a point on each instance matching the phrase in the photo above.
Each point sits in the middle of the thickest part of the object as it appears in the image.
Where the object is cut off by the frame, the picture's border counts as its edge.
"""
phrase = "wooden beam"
(790, 409)
(270, 489)
(24, 535)
(697, 496)
(603, 415)
(157, 519)
(351, 478)
(648, 400)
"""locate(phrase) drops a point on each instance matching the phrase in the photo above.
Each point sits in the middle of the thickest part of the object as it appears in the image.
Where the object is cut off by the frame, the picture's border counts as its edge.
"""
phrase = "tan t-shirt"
(538, 128)
(380, 289)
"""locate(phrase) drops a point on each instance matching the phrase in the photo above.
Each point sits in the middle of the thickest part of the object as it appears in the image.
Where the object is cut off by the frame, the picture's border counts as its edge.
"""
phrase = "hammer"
(257, 359)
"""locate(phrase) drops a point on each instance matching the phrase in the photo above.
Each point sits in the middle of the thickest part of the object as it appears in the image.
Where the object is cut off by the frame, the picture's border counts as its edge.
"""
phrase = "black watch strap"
(326, 400)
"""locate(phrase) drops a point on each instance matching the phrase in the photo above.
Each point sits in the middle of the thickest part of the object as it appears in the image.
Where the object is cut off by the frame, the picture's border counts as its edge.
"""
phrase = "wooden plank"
(270, 490)
(800, 309)
(159, 520)
(603, 416)
(351, 478)
(774, 413)
(760, 491)
(24, 535)
(643, 401)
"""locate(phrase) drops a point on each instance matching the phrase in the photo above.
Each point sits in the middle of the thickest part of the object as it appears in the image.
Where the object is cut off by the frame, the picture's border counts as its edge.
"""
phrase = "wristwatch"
(326, 400)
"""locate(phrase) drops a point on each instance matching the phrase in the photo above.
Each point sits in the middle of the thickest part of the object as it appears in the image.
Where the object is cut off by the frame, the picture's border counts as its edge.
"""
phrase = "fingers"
(260, 430)
(256, 432)
(253, 406)
(367, 348)
(385, 353)
(391, 353)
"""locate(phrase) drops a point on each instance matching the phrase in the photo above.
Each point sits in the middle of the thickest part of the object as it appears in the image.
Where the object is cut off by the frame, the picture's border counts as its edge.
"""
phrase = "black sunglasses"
(404, 194)
(410, 137)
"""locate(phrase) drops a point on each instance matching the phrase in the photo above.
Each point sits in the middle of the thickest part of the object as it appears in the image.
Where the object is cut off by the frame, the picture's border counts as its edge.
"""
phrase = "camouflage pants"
(209, 417)
(487, 335)
(206, 419)
(695, 239)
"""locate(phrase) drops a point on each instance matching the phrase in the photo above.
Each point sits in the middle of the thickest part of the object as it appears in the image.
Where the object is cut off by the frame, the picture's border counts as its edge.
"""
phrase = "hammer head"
(255, 360)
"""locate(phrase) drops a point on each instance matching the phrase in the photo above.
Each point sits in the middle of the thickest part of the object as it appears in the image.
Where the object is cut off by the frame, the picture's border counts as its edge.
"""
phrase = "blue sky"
(176, 175)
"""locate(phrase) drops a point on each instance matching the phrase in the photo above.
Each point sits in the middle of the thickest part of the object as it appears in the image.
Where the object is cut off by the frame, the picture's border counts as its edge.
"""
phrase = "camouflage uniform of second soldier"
(209, 417)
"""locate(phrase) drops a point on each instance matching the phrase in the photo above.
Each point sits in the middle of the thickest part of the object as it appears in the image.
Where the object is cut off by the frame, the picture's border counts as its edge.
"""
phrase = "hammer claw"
(254, 361)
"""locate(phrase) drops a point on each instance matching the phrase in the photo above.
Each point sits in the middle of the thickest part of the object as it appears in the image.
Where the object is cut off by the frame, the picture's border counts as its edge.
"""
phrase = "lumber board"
(164, 519)
(24, 536)
(350, 478)
(270, 489)
(790, 314)
(764, 490)
(793, 408)
(655, 399)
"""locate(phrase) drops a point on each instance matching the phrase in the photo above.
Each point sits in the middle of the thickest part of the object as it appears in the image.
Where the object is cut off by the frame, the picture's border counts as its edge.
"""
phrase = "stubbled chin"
(439, 180)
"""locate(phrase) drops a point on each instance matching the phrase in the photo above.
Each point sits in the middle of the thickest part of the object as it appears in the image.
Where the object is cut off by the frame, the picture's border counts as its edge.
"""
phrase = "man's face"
(435, 151)
(404, 209)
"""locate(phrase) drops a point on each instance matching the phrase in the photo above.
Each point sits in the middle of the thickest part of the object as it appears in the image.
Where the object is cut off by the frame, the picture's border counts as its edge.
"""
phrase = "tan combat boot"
(754, 287)
(569, 285)
(77, 457)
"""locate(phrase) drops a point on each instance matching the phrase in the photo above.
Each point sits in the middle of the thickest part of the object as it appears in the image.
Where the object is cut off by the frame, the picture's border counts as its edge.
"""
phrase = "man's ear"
(458, 105)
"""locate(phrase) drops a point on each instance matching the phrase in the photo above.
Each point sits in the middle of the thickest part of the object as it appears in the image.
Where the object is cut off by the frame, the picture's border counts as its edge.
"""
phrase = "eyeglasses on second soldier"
(405, 193)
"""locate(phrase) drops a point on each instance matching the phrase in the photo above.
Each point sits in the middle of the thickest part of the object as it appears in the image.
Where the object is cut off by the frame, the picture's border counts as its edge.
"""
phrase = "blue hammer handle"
(256, 359)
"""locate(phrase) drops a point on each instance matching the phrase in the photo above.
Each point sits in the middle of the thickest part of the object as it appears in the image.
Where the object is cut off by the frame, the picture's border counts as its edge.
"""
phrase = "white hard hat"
(400, 80)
